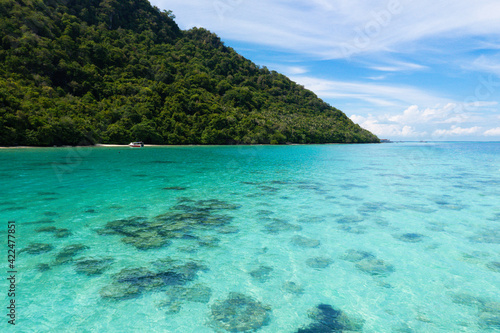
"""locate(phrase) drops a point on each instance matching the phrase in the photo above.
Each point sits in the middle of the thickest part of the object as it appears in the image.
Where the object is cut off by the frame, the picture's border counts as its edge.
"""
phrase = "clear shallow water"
(399, 237)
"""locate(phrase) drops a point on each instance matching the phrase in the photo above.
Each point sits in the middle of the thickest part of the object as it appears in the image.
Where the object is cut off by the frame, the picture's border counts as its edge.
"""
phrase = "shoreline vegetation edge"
(188, 145)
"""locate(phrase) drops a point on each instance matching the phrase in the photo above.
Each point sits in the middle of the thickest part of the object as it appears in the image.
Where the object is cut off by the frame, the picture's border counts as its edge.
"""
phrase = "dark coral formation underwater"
(58, 233)
(67, 254)
(305, 242)
(276, 226)
(93, 266)
(37, 248)
(368, 263)
(177, 295)
(239, 313)
(319, 262)
(292, 288)
(132, 282)
(181, 221)
(327, 319)
(410, 237)
(488, 311)
(262, 273)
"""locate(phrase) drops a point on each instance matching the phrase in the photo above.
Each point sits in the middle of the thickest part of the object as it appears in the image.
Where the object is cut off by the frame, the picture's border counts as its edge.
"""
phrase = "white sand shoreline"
(89, 146)
(110, 145)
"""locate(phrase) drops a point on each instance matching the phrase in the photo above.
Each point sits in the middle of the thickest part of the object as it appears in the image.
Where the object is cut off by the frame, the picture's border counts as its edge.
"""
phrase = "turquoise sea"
(401, 237)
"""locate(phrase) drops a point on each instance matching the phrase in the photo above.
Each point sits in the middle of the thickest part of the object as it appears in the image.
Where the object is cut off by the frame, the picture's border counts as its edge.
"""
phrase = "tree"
(76, 72)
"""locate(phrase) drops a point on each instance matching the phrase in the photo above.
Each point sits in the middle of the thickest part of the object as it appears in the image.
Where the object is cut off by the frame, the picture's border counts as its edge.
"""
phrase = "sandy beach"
(96, 145)
(187, 145)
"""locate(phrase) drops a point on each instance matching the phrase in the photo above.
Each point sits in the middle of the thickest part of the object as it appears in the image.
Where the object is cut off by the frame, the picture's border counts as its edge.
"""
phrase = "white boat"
(138, 144)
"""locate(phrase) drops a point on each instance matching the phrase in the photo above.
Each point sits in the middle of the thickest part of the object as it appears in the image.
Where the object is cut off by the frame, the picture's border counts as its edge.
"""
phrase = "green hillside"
(114, 71)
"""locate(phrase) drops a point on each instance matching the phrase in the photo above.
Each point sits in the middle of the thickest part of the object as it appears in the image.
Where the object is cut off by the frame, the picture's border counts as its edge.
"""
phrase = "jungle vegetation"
(77, 72)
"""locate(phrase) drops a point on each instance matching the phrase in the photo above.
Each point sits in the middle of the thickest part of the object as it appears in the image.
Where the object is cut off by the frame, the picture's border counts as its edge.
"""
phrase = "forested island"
(80, 72)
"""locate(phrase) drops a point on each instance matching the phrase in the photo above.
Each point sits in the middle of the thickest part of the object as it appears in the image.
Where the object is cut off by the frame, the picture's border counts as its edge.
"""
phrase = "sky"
(404, 69)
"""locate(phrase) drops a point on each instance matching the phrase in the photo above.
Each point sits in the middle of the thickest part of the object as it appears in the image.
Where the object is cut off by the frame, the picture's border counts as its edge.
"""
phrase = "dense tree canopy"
(114, 71)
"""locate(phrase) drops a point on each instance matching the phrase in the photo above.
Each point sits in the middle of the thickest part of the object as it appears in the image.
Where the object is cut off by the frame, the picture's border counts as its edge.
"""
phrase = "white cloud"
(357, 119)
(480, 104)
(325, 4)
(493, 132)
(488, 64)
(398, 66)
(329, 28)
(380, 127)
(379, 95)
(426, 123)
(377, 78)
(390, 130)
(454, 130)
(296, 70)
(449, 113)
(288, 70)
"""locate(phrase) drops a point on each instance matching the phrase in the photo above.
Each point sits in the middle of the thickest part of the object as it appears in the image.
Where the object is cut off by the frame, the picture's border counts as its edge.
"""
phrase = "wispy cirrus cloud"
(324, 27)
(398, 66)
(377, 94)
(488, 64)
(289, 69)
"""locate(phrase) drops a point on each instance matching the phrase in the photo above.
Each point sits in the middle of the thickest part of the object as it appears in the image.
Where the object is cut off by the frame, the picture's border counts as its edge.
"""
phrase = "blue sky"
(403, 69)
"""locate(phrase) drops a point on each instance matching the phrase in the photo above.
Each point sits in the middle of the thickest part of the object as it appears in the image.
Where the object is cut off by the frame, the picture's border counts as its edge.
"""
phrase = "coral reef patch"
(67, 254)
(368, 263)
(410, 237)
(240, 313)
(261, 274)
(93, 266)
(292, 288)
(37, 248)
(326, 319)
(319, 262)
(276, 226)
(305, 242)
(177, 295)
(132, 282)
(184, 218)
(488, 311)
(58, 233)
